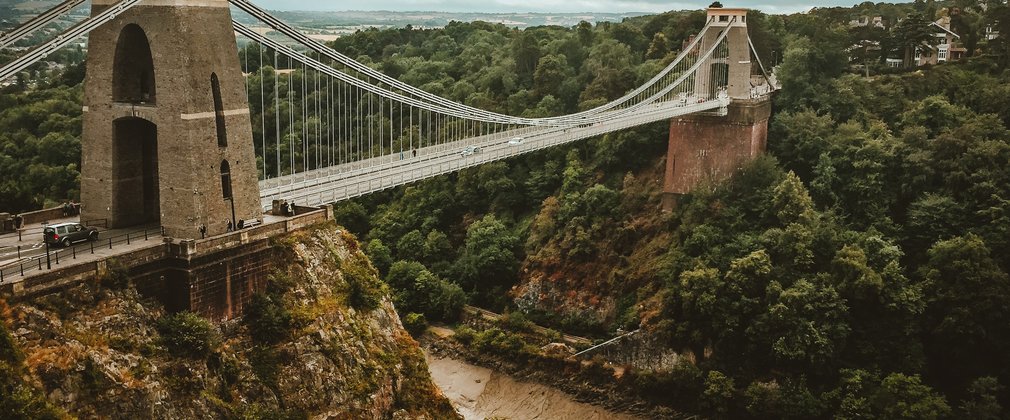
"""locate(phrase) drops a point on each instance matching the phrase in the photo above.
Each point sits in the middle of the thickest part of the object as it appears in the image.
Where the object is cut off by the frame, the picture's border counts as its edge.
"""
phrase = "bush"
(187, 334)
(464, 335)
(365, 290)
(499, 342)
(268, 321)
(9, 353)
(516, 321)
(415, 324)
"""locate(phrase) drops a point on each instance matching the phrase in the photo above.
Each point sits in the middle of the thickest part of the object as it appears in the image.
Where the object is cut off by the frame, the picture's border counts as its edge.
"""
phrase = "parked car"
(469, 151)
(516, 141)
(67, 234)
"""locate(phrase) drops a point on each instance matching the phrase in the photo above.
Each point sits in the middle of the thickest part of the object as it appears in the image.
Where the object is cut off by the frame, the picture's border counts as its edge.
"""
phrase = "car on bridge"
(67, 234)
(516, 141)
(470, 150)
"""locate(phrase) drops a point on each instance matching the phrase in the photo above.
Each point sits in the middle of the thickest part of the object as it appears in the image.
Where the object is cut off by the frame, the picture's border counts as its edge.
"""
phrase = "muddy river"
(479, 393)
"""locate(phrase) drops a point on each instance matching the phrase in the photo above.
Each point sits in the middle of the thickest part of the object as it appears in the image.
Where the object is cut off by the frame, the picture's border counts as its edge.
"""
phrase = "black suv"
(68, 233)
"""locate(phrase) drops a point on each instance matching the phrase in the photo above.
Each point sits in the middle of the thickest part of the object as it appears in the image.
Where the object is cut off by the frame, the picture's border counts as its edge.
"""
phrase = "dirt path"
(479, 393)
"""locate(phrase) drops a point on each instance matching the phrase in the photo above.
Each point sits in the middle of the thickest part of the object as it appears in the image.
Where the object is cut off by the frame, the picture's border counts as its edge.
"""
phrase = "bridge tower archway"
(133, 78)
(135, 193)
(164, 105)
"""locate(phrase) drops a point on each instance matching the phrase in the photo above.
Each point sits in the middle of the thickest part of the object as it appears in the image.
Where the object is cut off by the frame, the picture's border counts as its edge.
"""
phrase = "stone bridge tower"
(712, 147)
(167, 136)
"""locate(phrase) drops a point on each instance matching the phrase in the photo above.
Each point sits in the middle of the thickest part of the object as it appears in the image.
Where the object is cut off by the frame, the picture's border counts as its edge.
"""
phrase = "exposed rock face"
(98, 352)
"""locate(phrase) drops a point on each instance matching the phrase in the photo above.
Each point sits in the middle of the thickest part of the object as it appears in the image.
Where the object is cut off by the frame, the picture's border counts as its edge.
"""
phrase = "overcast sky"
(767, 6)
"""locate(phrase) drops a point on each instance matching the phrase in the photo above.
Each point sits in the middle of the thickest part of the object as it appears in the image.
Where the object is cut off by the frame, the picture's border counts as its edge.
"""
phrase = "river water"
(479, 393)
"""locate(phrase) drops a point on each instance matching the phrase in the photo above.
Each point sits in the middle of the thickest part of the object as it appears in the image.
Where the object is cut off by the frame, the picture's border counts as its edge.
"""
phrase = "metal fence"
(55, 256)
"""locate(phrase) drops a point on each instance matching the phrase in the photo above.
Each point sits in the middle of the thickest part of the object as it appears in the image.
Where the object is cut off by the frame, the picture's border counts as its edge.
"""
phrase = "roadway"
(341, 182)
(31, 245)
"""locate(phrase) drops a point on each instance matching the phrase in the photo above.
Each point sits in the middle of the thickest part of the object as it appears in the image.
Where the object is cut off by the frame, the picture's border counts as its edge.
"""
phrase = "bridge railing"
(55, 257)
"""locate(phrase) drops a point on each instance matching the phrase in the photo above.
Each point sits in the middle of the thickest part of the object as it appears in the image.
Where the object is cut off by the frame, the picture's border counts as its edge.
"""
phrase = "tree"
(411, 246)
(380, 254)
(967, 321)
(526, 51)
(659, 47)
(911, 34)
(906, 397)
(488, 262)
(717, 397)
(552, 71)
(982, 402)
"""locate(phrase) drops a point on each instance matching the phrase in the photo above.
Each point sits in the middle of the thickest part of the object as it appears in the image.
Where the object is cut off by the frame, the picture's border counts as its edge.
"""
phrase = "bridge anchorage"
(178, 128)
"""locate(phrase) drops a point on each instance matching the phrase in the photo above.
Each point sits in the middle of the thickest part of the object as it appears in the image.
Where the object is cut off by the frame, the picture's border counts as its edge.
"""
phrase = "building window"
(226, 179)
(723, 18)
(222, 128)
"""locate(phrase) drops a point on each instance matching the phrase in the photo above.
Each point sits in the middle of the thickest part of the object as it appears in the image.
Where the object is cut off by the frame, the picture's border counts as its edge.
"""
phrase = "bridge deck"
(354, 179)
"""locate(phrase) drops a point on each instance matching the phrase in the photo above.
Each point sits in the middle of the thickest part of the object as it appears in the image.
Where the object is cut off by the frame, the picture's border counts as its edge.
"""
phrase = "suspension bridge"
(340, 129)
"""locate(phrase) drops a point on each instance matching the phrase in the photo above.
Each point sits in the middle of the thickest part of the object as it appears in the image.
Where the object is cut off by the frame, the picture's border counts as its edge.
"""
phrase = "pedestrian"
(203, 231)
(231, 226)
(18, 221)
(66, 209)
(415, 152)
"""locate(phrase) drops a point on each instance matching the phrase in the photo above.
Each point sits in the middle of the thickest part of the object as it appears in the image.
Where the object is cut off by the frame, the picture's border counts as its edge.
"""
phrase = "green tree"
(487, 263)
(659, 47)
(380, 254)
(911, 34)
(411, 246)
(966, 318)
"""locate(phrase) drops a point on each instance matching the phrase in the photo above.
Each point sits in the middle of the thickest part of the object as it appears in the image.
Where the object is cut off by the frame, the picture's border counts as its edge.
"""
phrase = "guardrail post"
(92, 247)
(40, 264)
(127, 238)
(74, 250)
(57, 257)
(145, 234)
(22, 265)
(19, 252)
(110, 243)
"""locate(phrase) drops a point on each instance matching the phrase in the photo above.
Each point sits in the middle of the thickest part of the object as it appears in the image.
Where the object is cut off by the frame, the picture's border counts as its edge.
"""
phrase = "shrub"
(516, 321)
(268, 321)
(464, 335)
(187, 334)
(365, 290)
(8, 351)
(415, 324)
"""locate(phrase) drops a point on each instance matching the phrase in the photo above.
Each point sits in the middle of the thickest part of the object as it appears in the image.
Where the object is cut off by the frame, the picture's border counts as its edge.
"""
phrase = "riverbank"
(478, 393)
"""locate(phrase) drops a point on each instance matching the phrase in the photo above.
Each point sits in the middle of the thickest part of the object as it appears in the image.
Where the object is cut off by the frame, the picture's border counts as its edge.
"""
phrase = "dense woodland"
(859, 270)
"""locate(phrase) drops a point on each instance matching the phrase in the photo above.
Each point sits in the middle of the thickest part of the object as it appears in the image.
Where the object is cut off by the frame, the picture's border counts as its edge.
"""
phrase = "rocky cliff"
(323, 342)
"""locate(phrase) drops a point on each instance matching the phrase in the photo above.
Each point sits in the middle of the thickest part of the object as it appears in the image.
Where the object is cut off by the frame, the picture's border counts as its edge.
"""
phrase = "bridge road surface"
(32, 246)
(9, 259)
(329, 185)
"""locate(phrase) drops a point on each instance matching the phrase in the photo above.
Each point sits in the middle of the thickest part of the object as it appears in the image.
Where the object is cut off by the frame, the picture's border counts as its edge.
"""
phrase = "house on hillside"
(991, 33)
(863, 21)
(947, 45)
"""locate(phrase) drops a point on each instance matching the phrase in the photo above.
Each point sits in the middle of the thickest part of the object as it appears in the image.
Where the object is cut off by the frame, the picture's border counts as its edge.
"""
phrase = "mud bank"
(479, 393)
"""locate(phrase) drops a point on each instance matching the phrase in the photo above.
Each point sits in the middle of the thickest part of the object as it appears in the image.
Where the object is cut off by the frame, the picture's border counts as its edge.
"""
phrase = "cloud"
(554, 6)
